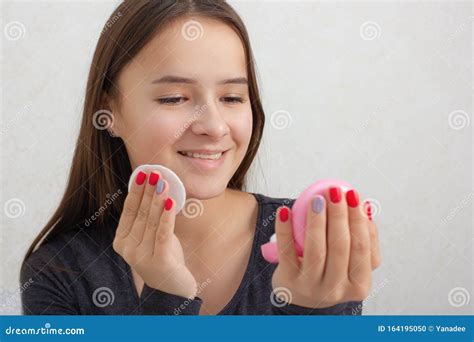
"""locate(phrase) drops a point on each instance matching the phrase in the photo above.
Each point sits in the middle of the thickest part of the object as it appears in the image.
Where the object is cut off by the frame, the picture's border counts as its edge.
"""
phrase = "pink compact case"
(299, 213)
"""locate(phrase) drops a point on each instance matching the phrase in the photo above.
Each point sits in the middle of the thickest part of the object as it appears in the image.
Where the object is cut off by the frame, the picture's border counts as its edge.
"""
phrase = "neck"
(204, 217)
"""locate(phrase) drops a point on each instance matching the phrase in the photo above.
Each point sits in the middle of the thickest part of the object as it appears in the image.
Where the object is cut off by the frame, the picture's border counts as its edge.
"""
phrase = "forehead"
(199, 47)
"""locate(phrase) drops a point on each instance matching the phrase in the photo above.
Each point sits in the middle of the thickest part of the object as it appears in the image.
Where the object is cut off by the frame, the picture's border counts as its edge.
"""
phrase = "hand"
(145, 238)
(337, 261)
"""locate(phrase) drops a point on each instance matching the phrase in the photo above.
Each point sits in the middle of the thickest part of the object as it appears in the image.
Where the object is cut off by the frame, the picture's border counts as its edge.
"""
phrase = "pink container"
(299, 212)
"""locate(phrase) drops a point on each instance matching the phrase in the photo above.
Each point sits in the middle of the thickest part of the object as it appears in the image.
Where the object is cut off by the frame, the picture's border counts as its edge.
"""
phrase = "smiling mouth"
(203, 156)
(208, 161)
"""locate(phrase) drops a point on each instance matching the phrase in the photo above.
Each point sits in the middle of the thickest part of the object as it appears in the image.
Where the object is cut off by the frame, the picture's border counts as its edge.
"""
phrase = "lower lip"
(205, 164)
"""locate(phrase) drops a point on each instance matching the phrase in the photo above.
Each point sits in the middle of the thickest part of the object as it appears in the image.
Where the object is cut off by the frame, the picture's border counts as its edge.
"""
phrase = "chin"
(203, 190)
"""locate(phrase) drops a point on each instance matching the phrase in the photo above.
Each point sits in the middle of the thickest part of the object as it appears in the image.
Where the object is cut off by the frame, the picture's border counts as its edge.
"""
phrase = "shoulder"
(68, 251)
(268, 201)
(57, 277)
(268, 207)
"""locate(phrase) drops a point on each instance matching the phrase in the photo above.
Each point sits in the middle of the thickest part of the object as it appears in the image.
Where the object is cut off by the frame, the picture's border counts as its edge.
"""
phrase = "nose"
(209, 121)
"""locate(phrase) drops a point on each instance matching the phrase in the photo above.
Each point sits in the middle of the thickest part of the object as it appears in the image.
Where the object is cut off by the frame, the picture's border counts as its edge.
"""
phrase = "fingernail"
(168, 204)
(318, 204)
(160, 186)
(369, 210)
(335, 194)
(153, 178)
(140, 178)
(283, 213)
(352, 198)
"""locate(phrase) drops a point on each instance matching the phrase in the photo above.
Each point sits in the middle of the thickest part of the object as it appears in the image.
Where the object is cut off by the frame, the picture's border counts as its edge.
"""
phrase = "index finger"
(286, 248)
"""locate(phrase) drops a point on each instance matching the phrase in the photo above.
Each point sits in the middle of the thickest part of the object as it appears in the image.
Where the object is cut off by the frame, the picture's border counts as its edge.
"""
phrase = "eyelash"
(175, 100)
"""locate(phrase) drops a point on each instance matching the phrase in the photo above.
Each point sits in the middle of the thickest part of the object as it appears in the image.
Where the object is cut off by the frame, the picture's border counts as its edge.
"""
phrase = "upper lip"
(203, 151)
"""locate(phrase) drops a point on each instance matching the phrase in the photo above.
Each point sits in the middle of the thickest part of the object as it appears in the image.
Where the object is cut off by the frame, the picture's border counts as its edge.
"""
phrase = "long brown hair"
(100, 165)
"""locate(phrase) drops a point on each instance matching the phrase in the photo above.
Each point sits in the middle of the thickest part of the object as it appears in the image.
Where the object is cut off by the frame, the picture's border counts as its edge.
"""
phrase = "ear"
(109, 108)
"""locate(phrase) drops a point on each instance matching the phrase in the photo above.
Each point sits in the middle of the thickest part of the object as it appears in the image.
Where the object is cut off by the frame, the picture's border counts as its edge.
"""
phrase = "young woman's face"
(187, 91)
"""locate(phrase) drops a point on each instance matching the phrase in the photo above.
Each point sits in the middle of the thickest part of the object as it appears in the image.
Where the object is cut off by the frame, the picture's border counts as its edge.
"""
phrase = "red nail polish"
(153, 178)
(352, 198)
(140, 178)
(335, 194)
(283, 213)
(369, 211)
(168, 204)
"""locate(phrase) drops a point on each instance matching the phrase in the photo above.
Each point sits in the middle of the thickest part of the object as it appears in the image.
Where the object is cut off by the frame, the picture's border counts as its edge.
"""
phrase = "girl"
(173, 83)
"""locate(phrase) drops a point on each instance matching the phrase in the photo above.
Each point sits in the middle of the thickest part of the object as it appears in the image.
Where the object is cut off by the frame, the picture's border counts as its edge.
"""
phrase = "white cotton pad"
(176, 187)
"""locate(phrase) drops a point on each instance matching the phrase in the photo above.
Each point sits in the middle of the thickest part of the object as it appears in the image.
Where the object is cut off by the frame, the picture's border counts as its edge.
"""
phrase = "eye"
(171, 100)
(233, 99)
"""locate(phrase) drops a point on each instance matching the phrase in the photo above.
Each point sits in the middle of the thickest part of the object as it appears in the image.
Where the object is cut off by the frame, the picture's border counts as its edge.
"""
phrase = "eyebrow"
(179, 79)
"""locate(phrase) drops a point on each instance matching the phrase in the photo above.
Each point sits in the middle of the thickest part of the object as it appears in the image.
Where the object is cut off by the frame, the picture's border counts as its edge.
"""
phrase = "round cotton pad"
(176, 187)
(299, 213)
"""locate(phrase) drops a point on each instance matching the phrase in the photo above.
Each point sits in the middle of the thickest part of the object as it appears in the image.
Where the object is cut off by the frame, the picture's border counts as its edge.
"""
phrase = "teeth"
(203, 156)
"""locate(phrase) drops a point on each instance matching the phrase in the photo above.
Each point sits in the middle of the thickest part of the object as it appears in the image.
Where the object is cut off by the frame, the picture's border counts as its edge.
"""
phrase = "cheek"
(149, 133)
(241, 127)
(157, 133)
